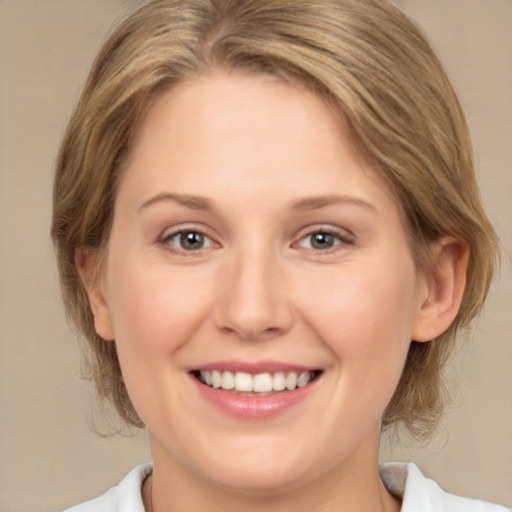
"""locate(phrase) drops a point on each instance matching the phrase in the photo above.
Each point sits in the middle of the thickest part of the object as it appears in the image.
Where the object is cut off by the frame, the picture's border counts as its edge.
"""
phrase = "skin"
(257, 150)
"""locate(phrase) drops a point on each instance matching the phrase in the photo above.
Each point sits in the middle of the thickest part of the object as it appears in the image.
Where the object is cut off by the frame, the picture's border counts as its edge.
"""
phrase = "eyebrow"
(190, 201)
(317, 202)
(307, 203)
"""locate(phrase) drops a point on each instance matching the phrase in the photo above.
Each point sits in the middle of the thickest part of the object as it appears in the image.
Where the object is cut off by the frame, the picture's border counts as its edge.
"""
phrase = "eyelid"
(171, 232)
(344, 236)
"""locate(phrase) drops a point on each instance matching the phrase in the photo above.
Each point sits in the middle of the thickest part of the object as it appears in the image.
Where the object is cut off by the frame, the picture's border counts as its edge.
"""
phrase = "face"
(259, 285)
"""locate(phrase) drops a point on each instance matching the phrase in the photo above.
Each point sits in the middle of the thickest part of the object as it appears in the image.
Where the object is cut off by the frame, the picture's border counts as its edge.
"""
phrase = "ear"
(442, 289)
(88, 267)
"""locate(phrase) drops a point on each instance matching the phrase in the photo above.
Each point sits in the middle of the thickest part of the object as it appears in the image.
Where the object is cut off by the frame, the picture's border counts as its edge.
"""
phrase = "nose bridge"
(254, 303)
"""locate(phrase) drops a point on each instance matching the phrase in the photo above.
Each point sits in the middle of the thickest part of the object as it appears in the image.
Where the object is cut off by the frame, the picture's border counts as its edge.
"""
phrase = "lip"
(250, 407)
(253, 368)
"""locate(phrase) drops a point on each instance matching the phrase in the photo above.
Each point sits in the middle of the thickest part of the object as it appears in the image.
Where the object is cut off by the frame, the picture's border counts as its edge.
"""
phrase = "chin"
(262, 469)
(263, 480)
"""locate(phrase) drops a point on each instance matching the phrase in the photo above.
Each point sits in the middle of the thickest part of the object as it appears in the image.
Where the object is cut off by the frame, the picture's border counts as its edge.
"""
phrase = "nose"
(254, 302)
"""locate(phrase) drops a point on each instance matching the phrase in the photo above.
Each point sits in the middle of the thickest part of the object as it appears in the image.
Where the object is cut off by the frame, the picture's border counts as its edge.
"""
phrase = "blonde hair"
(363, 56)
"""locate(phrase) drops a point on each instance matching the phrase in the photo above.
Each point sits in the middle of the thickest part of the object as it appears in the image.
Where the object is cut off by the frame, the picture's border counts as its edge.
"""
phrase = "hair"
(364, 57)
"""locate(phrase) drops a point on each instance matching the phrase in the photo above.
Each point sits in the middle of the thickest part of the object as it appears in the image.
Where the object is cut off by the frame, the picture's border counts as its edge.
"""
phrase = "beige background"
(48, 456)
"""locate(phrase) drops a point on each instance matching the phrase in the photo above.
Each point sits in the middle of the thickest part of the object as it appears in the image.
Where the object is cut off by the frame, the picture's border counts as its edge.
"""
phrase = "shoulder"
(125, 497)
(420, 494)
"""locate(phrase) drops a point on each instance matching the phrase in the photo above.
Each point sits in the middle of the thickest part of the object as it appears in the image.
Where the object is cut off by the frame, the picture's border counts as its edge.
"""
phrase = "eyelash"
(341, 239)
(167, 240)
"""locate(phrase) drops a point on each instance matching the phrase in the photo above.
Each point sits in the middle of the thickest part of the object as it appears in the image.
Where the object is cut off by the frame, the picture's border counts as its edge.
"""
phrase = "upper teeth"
(259, 383)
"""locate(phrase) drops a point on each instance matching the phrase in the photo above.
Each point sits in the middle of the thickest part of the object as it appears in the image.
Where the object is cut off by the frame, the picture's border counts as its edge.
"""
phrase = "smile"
(254, 391)
(260, 383)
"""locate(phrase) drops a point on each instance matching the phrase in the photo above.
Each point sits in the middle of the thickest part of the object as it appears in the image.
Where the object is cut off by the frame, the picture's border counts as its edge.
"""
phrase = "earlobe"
(443, 289)
(86, 262)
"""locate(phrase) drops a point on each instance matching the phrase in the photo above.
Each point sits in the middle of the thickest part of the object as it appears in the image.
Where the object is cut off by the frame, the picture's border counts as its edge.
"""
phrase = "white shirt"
(418, 493)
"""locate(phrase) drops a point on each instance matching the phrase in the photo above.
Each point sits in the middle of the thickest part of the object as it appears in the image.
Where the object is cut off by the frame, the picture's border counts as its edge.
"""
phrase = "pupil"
(322, 241)
(191, 241)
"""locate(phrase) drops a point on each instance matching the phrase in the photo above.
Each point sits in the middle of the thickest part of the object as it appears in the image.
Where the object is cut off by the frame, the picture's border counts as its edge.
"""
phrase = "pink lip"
(253, 407)
(252, 367)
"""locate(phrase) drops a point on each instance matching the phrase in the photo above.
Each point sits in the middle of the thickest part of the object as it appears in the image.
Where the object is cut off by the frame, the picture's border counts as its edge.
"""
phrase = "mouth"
(259, 384)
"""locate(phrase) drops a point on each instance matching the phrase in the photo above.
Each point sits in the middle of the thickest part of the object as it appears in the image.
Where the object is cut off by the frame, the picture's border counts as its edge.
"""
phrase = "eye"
(323, 240)
(188, 240)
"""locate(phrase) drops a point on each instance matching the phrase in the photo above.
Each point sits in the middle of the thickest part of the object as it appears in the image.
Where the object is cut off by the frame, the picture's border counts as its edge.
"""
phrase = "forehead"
(233, 105)
(243, 133)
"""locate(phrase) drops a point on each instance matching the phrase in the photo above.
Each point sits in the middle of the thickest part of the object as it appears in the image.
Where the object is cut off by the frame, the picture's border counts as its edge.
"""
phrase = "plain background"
(49, 458)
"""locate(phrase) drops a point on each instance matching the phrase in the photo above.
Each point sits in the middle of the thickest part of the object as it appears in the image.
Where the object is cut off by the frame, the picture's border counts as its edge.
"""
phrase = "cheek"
(366, 318)
(153, 315)
(154, 310)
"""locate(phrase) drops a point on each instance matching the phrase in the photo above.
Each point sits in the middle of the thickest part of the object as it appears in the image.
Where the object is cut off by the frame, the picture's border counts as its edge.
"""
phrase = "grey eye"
(325, 240)
(191, 241)
(322, 240)
(188, 240)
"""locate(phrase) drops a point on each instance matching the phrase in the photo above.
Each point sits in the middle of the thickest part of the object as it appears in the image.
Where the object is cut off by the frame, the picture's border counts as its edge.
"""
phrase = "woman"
(269, 230)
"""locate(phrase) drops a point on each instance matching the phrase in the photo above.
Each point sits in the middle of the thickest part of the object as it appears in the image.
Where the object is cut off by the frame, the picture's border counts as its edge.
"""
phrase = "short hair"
(364, 57)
